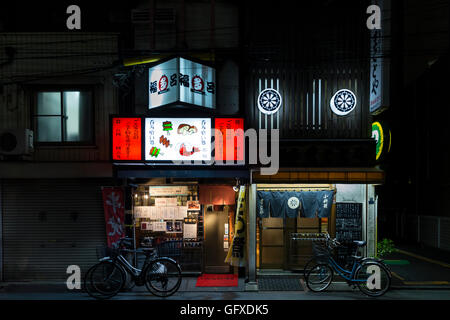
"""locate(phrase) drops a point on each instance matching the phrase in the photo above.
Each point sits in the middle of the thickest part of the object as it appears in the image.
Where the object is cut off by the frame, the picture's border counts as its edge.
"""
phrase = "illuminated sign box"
(177, 139)
(230, 129)
(182, 80)
(141, 139)
(126, 139)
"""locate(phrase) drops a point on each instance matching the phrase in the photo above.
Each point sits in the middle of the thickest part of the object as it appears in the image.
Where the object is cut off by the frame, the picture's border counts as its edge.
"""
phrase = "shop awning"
(323, 175)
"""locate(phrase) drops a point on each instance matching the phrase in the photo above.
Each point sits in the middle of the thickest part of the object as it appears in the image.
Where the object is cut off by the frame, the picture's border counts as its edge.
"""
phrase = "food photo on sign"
(177, 139)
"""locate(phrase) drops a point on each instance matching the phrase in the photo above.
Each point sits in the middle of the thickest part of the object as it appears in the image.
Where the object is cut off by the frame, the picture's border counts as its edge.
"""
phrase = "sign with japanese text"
(126, 139)
(114, 208)
(177, 139)
(232, 135)
(163, 84)
(168, 191)
(182, 80)
(197, 84)
(376, 72)
(380, 44)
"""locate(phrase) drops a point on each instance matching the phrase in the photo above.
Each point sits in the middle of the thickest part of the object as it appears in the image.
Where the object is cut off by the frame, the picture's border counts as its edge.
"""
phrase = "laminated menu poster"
(143, 212)
(182, 213)
(159, 226)
(193, 205)
(190, 231)
(169, 212)
(166, 202)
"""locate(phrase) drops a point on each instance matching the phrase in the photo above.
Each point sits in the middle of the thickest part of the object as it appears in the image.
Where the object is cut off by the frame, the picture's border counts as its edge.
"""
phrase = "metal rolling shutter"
(49, 225)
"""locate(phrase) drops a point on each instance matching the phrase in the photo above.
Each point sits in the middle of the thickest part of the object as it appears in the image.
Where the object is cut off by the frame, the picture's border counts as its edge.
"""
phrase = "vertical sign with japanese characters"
(232, 135)
(114, 208)
(163, 84)
(376, 71)
(126, 139)
(197, 84)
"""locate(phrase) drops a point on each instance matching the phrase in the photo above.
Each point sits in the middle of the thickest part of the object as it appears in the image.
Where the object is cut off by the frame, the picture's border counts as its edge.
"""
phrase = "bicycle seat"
(359, 243)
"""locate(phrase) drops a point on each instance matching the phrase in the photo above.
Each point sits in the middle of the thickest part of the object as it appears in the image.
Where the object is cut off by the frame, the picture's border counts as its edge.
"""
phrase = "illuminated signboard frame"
(169, 162)
(181, 80)
(170, 139)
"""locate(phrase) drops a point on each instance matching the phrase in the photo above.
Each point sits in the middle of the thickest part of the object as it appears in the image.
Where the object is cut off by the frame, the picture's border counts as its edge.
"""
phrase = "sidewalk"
(418, 267)
(412, 266)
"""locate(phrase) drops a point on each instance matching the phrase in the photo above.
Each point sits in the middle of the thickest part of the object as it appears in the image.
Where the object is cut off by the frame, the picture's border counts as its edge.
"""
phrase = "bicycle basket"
(320, 252)
(105, 251)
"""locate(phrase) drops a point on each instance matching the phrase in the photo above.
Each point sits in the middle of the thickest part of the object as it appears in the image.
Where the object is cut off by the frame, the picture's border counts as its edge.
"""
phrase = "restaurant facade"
(232, 163)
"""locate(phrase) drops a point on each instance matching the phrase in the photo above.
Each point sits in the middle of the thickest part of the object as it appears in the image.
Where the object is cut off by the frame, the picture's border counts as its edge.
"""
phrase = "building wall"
(365, 194)
(191, 25)
(60, 59)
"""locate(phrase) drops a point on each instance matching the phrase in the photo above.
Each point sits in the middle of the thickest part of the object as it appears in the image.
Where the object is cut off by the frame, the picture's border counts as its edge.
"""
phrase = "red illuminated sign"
(127, 139)
(235, 139)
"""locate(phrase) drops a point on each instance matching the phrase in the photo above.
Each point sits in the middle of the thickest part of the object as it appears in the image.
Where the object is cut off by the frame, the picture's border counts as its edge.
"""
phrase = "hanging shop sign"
(269, 101)
(114, 208)
(126, 142)
(343, 102)
(379, 66)
(382, 136)
(182, 80)
(177, 139)
(232, 134)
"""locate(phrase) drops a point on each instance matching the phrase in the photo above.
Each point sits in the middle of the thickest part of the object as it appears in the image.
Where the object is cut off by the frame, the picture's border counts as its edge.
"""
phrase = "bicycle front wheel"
(163, 277)
(106, 279)
(319, 277)
(373, 278)
(89, 287)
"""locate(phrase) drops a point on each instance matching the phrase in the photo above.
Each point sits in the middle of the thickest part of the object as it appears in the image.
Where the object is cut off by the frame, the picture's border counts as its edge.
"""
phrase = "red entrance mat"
(217, 280)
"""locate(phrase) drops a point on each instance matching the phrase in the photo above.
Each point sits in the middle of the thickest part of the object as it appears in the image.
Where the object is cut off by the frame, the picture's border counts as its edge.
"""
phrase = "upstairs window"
(64, 117)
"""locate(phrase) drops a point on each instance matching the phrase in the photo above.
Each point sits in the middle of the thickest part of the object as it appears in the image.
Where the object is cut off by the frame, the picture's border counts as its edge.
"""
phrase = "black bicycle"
(161, 275)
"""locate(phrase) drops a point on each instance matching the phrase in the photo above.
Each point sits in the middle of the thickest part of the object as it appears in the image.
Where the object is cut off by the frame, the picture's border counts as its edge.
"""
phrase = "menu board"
(126, 139)
(348, 221)
(177, 139)
(190, 231)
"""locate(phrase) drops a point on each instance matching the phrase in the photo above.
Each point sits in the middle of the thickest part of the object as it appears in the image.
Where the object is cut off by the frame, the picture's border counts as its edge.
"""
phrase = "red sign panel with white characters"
(126, 139)
(231, 136)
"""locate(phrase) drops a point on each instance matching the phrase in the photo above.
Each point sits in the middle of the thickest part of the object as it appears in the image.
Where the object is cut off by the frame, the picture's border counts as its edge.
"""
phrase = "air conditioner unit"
(16, 142)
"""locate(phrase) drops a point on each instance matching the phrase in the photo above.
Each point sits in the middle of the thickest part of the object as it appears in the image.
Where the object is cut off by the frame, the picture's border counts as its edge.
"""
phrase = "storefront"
(296, 206)
(190, 221)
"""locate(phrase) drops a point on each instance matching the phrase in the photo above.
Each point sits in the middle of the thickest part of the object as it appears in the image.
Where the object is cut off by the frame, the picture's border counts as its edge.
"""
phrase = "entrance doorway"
(216, 241)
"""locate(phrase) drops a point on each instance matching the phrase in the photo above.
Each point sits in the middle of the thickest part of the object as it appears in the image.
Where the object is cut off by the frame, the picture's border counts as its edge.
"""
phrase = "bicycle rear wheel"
(319, 277)
(163, 277)
(373, 278)
(105, 280)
